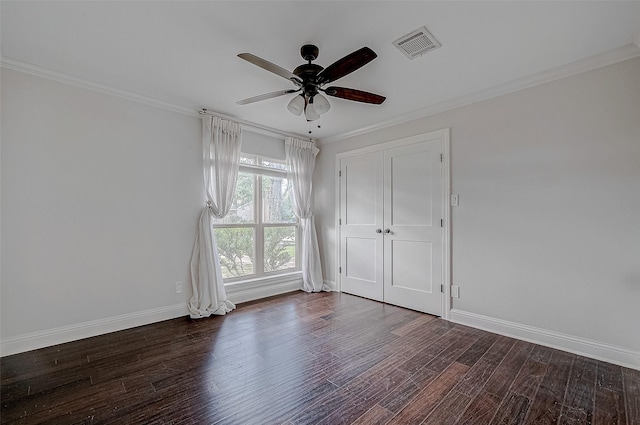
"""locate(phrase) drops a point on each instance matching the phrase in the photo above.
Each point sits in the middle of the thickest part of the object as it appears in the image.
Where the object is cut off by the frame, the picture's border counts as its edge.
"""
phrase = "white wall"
(100, 202)
(547, 234)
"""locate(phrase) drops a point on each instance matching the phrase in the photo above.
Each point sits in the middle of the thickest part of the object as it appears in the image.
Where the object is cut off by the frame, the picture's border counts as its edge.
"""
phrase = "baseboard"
(331, 284)
(560, 341)
(238, 293)
(49, 337)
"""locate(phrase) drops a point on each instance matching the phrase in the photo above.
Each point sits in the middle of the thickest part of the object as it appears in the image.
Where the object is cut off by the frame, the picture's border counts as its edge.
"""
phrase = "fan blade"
(353, 94)
(271, 67)
(265, 96)
(346, 65)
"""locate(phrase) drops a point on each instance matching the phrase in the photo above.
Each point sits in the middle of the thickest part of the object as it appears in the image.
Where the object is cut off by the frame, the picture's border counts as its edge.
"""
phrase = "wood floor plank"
(449, 410)
(499, 349)
(306, 358)
(512, 411)
(401, 395)
(414, 324)
(424, 403)
(609, 395)
(632, 395)
(504, 375)
(475, 380)
(477, 350)
(451, 354)
(363, 401)
(547, 406)
(579, 397)
(529, 378)
(377, 415)
(481, 410)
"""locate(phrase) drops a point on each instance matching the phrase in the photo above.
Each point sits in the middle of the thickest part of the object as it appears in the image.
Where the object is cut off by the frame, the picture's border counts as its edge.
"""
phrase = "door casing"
(443, 136)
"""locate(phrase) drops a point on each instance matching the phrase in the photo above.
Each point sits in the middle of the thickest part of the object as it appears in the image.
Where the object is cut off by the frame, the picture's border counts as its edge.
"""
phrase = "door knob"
(387, 230)
(378, 230)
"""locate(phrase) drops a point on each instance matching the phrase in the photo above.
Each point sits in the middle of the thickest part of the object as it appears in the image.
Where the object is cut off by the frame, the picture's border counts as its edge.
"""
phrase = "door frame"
(443, 136)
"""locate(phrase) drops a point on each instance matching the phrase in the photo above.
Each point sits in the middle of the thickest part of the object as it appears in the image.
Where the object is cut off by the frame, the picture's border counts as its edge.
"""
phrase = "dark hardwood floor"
(303, 358)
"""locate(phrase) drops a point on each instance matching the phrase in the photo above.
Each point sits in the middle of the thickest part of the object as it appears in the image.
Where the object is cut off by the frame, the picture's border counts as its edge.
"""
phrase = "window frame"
(258, 225)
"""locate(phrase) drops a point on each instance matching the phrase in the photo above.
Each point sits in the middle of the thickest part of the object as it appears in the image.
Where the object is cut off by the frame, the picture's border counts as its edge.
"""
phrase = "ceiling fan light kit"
(310, 112)
(321, 104)
(297, 104)
(310, 79)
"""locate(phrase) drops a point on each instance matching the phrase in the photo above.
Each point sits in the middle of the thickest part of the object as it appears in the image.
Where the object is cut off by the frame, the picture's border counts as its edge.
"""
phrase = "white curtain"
(301, 159)
(221, 143)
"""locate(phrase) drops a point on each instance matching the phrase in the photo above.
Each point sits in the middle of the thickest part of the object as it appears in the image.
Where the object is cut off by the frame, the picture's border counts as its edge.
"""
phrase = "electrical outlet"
(178, 287)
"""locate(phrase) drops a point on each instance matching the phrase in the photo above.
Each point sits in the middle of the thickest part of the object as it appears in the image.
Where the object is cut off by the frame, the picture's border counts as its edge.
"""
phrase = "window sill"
(253, 289)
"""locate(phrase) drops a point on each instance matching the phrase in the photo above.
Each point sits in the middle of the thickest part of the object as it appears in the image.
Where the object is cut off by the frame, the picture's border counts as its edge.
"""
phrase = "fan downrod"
(308, 72)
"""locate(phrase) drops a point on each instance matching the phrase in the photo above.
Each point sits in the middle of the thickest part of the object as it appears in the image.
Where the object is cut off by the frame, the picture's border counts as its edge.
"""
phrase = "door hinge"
(442, 288)
(340, 221)
(441, 223)
(339, 173)
(441, 157)
(340, 270)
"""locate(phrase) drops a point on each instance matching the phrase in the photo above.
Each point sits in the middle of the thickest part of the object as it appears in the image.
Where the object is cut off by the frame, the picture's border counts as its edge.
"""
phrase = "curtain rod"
(262, 128)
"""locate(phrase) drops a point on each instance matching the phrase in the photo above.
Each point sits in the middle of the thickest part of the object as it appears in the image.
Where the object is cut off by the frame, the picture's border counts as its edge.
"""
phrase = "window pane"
(277, 205)
(243, 203)
(274, 164)
(279, 248)
(248, 160)
(236, 247)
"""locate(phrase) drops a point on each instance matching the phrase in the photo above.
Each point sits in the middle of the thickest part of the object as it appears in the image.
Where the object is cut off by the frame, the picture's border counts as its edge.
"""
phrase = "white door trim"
(443, 136)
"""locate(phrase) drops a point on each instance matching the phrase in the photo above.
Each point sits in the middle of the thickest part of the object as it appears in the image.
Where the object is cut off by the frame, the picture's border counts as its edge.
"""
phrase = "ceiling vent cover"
(417, 43)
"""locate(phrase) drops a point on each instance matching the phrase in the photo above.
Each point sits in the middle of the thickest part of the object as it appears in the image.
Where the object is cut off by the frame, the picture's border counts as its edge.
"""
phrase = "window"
(259, 235)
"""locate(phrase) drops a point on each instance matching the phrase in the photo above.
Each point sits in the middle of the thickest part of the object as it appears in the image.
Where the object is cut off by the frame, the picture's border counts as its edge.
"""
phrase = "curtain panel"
(221, 144)
(301, 158)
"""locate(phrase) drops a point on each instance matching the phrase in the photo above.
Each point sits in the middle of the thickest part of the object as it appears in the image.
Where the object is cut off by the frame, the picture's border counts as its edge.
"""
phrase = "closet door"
(413, 236)
(361, 237)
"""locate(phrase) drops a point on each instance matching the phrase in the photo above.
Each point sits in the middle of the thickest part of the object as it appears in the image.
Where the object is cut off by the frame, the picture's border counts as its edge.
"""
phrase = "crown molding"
(629, 51)
(61, 77)
(620, 54)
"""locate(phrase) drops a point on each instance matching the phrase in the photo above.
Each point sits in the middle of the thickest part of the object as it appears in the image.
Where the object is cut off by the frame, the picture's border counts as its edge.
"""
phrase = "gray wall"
(547, 233)
(100, 202)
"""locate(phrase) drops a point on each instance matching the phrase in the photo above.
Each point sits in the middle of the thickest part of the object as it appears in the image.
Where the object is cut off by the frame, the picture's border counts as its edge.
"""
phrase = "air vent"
(416, 43)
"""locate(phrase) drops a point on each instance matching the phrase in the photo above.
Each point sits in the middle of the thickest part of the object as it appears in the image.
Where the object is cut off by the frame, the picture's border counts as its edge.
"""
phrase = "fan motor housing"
(308, 73)
(307, 70)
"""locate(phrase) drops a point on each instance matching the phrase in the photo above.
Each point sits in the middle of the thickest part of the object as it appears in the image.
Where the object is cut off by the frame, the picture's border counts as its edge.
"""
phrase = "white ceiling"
(184, 53)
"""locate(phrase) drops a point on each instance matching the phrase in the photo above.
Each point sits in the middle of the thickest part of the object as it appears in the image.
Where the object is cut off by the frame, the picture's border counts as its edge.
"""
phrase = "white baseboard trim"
(46, 338)
(243, 292)
(560, 341)
(331, 284)
(237, 293)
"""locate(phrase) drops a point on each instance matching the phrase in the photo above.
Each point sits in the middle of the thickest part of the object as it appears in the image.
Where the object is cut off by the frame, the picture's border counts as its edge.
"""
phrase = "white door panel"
(410, 198)
(399, 193)
(413, 209)
(361, 192)
(418, 276)
(361, 215)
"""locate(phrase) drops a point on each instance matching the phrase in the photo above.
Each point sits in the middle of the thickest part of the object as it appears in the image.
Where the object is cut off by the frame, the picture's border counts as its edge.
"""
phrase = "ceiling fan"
(310, 80)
